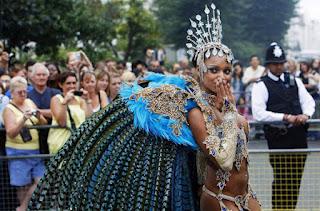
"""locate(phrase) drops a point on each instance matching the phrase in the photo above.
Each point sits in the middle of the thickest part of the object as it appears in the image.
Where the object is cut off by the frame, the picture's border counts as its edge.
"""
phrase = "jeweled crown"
(204, 38)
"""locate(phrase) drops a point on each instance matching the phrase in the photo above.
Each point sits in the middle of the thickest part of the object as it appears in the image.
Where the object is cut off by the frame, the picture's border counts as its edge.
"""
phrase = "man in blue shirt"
(41, 95)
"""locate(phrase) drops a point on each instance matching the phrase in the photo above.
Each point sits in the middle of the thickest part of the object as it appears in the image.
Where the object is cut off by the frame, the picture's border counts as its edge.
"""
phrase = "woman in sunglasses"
(20, 141)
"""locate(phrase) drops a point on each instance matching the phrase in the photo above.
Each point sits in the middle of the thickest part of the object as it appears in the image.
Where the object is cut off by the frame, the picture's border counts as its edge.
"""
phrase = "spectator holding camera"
(78, 62)
(97, 98)
(19, 113)
(68, 109)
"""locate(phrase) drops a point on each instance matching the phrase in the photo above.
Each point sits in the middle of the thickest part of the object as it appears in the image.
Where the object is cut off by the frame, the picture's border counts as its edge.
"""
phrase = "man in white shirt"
(279, 96)
(250, 76)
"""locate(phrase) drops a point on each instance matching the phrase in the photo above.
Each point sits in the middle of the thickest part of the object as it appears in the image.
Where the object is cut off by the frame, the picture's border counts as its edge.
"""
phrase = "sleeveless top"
(98, 107)
(17, 142)
(58, 136)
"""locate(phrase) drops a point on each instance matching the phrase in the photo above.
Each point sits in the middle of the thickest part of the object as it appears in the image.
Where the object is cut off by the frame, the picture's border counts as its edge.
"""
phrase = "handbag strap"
(21, 111)
(73, 125)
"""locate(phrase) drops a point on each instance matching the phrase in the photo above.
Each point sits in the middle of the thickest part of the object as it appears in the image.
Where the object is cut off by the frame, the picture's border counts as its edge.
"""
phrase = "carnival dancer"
(134, 155)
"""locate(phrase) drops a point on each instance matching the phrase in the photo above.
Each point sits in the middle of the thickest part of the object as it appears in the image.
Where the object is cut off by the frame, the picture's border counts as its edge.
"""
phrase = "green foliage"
(35, 20)
(248, 26)
(89, 23)
(138, 31)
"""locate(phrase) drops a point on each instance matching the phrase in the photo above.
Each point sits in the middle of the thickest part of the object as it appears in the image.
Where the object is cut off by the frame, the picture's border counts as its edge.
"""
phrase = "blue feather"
(156, 124)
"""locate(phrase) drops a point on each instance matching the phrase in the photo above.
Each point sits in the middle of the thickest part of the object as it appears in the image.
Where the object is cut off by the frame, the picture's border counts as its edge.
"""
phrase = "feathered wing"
(109, 164)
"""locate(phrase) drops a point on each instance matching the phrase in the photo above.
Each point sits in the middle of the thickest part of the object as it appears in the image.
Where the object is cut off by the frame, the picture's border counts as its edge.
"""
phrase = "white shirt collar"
(274, 77)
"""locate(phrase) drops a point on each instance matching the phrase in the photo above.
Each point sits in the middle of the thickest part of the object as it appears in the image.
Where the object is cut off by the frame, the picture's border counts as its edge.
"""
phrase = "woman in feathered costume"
(135, 155)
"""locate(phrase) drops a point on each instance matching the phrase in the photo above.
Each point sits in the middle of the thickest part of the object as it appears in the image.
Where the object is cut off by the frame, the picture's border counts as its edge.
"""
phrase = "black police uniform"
(287, 167)
(283, 97)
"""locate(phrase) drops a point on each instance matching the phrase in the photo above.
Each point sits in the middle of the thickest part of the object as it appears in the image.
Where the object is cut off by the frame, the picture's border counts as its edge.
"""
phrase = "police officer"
(279, 96)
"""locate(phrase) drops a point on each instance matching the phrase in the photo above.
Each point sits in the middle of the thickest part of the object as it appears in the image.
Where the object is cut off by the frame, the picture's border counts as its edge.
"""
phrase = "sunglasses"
(21, 92)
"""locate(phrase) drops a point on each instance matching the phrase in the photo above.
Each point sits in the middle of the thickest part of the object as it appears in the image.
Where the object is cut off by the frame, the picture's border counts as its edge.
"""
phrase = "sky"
(310, 9)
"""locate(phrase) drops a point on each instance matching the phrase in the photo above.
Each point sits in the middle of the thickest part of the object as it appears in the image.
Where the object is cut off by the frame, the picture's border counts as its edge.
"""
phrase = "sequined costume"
(227, 143)
(222, 176)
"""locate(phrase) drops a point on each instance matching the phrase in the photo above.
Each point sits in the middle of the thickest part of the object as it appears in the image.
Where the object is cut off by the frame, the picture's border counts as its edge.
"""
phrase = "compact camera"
(78, 93)
(34, 112)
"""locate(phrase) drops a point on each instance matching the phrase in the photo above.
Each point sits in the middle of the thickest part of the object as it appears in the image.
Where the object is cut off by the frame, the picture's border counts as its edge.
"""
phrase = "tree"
(23, 21)
(248, 26)
(91, 23)
(138, 30)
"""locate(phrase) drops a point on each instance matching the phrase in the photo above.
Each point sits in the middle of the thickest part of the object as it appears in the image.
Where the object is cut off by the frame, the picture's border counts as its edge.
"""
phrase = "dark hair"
(14, 69)
(194, 58)
(63, 76)
(54, 64)
(305, 63)
(237, 62)
(254, 55)
(29, 63)
(137, 62)
(121, 63)
(234, 65)
(3, 90)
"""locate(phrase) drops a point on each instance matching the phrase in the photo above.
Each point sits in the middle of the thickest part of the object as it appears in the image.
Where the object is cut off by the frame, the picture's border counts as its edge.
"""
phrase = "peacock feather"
(109, 164)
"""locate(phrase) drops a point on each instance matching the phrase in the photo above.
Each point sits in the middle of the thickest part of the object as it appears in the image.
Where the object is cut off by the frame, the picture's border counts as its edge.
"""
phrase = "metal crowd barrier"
(260, 171)
(261, 177)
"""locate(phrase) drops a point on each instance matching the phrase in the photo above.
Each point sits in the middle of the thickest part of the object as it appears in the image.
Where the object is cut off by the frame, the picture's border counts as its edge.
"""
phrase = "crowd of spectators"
(244, 78)
(64, 95)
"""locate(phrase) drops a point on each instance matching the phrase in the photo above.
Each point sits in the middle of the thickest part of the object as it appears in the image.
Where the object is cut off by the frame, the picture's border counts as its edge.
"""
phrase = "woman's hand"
(223, 93)
(27, 114)
(230, 96)
(37, 113)
(68, 97)
(85, 94)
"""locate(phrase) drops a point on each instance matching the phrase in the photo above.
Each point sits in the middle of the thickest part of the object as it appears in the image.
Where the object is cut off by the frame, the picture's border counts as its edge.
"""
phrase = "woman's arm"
(46, 113)
(220, 150)
(59, 110)
(40, 117)
(199, 131)
(85, 60)
(104, 98)
(12, 124)
(86, 105)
